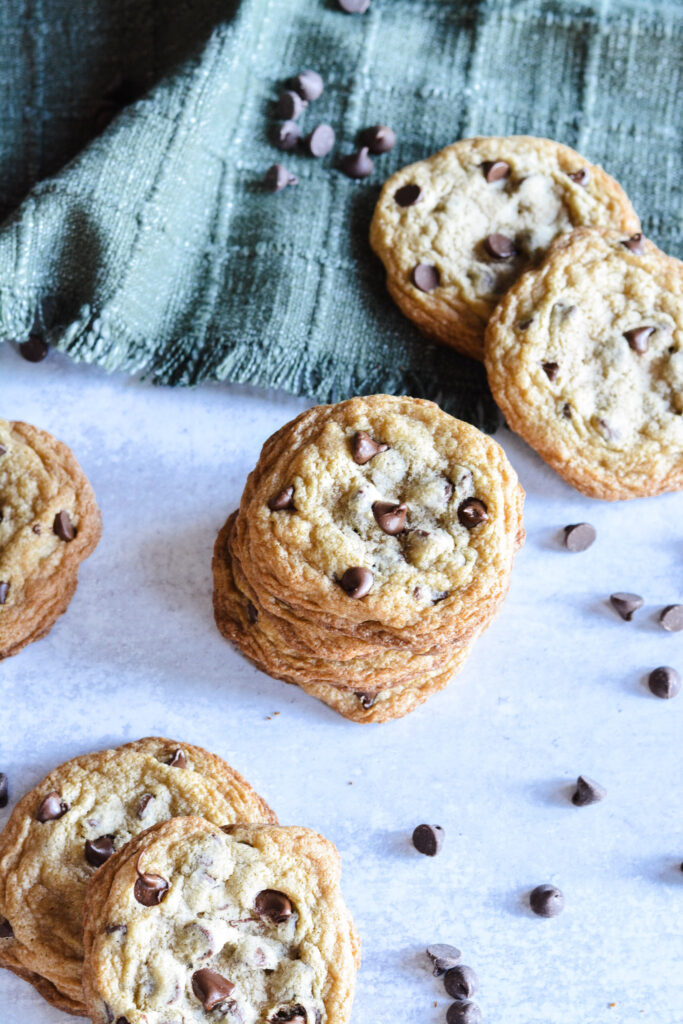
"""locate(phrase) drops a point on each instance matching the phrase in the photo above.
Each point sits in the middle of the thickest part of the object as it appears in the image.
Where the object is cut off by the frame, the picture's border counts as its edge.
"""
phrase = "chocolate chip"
(500, 247)
(4, 790)
(97, 851)
(567, 411)
(284, 499)
(551, 370)
(290, 105)
(524, 325)
(425, 276)
(286, 135)
(367, 700)
(51, 808)
(149, 890)
(321, 140)
(143, 803)
(211, 988)
(407, 195)
(178, 760)
(122, 1020)
(626, 604)
(546, 901)
(428, 839)
(252, 612)
(278, 177)
(587, 792)
(308, 84)
(112, 929)
(443, 957)
(4, 591)
(636, 243)
(357, 165)
(463, 1013)
(63, 527)
(579, 536)
(292, 1014)
(379, 139)
(638, 338)
(664, 682)
(357, 581)
(274, 905)
(460, 982)
(581, 177)
(3, 450)
(671, 618)
(6, 930)
(494, 170)
(364, 447)
(354, 6)
(390, 516)
(34, 349)
(36, 528)
(472, 512)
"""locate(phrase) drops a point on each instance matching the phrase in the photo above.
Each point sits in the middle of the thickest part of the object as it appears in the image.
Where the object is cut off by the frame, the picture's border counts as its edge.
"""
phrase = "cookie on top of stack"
(373, 544)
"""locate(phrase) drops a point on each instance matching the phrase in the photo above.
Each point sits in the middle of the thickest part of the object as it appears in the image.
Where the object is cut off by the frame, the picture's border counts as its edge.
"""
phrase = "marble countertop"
(555, 688)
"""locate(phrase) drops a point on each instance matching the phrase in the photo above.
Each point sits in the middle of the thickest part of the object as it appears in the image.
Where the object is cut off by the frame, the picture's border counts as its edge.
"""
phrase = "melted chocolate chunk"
(149, 889)
(211, 988)
(51, 808)
(274, 905)
(357, 581)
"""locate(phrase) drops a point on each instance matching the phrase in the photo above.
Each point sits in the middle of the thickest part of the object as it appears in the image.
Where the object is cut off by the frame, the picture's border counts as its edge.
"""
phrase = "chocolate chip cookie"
(585, 357)
(49, 522)
(191, 923)
(72, 822)
(455, 231)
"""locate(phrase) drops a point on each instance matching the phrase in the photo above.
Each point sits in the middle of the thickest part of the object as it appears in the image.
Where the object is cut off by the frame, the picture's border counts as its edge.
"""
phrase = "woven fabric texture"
(156, 249)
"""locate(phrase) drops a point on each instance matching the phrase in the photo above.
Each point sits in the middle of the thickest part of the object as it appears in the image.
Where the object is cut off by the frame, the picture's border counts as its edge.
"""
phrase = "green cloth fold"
(157, 250)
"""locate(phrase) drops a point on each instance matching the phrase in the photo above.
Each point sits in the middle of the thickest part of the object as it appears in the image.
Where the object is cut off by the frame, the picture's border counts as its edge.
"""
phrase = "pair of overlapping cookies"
(519, 252)
(151, 883)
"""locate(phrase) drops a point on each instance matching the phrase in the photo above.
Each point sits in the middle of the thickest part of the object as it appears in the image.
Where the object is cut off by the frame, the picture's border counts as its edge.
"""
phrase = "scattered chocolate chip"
(500, 247)
(463, 1013)
(460, 982)
(357, 581)
(4, 591)
(551, 370)
(6, 930)
(290, 105)
(546, 901)
(286, 135)
(97, 851)
(278, 177)
(364, 447)
(4, 790)
(63, 527)
(443, 957)
(34, 349)
(379, 139)
(390, 516)
(671, 618)
(143, 804)
(581, 177)
(367, 700)
(321, 140)
(638, 338)
(587, 792)
(407, 195)
(211, 988)
(664, 682)
(494, 170)
(178, 759)
(354, 6)
(308, 84)
(579, 536)
(626, 605)
(51, 808)
(292, 1014)
(428, 839)
(149, 890)
(636, 244)
(285, 499)
(425, 276)
(472, 512)
(357, 165)
(274, 905)
(252, 612)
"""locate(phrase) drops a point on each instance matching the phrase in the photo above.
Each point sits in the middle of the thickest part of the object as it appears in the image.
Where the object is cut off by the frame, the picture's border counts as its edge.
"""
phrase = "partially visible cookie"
(191, 923)
(49, 522)
(585, 357)
(73, 821)
(455, 231)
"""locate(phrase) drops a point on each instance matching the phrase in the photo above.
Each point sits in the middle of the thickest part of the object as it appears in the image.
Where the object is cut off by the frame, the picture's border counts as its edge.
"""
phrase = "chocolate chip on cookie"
(407, 195)
(6, 930)
(284, 499)
(425, 277)
(443, 957)
(581, 177)
(664, 682)
(97, 851)
(626, 605)
(252, 612)
(587, 792)
(51, 808)
(4, 592)
(211, 988)
(291, 1014)
(4, 790)
(357, 581)
(367, 700)
(150, 889)
(357, 165)
(579, 536)
(461, 982)
(428, 839)
(308, 84)
(274, 905)
(472, 512)
(671, 618)
(495, 170)
(546, 901)
(143, 804)
(364, 447)
(638, 337)
(379, 139)
(63, 526)
(390, 516)
(636, 243)
(500, 247)
(178, 760)
(551, 370)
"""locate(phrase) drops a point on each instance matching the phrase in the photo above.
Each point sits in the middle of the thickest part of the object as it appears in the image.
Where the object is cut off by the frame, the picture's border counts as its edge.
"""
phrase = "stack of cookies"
(520, 252)
(130, 893)
(373, 544)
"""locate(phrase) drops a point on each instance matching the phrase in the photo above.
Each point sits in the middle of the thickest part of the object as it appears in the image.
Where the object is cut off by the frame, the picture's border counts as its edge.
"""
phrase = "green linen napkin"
(157, 249)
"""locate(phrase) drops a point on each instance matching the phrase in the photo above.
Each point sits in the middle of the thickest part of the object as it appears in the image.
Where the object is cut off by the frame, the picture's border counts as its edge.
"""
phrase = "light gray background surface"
(555, 688)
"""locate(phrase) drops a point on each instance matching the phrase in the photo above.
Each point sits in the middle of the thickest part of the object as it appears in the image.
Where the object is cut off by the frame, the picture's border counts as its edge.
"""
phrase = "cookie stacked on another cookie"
(373, 544)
